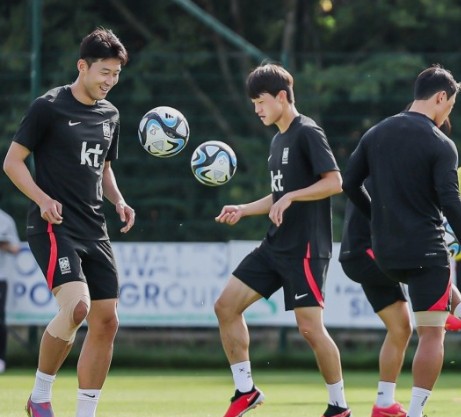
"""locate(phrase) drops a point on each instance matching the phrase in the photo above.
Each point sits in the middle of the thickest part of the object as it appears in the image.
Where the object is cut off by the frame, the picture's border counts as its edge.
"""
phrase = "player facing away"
(73, 132)
(412, 166)
(296, 250)
(387, 300)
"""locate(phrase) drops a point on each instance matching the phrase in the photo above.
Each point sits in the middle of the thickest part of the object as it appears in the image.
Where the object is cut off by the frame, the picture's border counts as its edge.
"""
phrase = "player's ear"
(82, 65)
(441, 95)
(281, 96)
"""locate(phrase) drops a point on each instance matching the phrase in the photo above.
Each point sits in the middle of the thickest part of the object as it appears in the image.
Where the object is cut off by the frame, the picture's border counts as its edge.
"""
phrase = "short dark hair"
(433, 80)
(270, 78)
(102, 44)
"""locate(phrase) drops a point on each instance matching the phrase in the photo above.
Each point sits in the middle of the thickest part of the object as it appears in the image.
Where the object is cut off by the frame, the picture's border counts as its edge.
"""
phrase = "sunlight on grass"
(131, 393)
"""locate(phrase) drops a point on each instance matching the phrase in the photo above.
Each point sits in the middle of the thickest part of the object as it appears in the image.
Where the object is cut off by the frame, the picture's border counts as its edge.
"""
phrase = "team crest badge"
(106, 130)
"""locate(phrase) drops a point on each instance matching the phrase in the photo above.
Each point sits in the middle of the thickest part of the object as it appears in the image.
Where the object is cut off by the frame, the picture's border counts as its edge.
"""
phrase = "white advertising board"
(176, 284)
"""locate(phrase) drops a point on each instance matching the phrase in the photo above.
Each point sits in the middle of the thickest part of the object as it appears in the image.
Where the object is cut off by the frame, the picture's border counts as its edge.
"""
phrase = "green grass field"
(131, 393)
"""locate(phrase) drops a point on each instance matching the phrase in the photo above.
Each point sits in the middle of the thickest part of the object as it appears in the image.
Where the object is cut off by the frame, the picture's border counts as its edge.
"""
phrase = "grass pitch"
(150, 393)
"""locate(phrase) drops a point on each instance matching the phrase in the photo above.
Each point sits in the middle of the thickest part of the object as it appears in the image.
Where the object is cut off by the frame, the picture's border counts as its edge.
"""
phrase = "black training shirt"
(70, 142)
(412, 168)
(297, 158)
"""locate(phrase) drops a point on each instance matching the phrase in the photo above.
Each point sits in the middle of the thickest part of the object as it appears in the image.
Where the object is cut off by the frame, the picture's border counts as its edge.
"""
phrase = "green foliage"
(353, 65)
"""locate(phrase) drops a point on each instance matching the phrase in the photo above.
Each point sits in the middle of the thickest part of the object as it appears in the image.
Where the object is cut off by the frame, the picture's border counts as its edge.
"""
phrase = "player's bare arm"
(233, 213)
(329, 184)
(113, 194)
(15, 167)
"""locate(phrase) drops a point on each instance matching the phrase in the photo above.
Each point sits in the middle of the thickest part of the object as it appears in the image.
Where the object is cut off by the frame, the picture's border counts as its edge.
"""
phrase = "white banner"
(176, 284)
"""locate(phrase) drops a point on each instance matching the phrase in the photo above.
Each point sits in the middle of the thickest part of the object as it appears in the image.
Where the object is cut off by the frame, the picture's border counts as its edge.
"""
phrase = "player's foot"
(335, 411)
(394, 410)
(453, 323)
(39, 409)
(242, 402)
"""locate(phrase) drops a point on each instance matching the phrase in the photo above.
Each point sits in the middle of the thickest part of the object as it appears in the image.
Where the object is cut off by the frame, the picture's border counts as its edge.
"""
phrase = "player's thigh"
(310, 320)
(58, 257)
(236, 297)
(98, 265)
(396, 318)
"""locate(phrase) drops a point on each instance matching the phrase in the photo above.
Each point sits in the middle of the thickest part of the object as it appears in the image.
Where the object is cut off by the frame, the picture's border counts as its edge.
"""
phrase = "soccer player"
(387, 300)
(296, 250)
(9, 245)
(73, 132)
(412, 166)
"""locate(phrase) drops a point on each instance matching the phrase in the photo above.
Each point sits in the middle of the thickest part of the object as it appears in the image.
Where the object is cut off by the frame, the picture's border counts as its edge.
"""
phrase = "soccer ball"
(163, 131)
(213, 163)
(452, 243)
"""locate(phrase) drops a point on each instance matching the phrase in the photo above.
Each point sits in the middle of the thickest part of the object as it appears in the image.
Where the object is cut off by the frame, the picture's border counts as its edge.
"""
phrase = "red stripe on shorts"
(442, 303)
(311, 280)
(370, 253)
(53, 257)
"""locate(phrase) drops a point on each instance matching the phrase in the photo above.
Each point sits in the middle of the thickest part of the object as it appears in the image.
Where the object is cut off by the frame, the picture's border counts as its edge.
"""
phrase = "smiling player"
(72, 132)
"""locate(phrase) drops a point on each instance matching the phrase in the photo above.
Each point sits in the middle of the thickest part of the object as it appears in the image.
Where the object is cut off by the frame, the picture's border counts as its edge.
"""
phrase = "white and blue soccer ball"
(451, 241)
(163, 131)
(213, 163)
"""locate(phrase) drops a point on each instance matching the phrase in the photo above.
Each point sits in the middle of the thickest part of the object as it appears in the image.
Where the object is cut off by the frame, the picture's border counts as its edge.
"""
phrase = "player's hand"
(230, 215)
(51, 211)
(127, 215)
(277, 210)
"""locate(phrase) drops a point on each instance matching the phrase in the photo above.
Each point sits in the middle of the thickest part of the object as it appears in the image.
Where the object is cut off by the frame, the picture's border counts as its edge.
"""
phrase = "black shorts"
(302, 279)
(429, 287)
(379, 289)
(65, 259)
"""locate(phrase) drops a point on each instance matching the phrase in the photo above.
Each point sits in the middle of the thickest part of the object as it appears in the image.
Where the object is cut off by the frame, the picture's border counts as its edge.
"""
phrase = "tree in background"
(353, 62)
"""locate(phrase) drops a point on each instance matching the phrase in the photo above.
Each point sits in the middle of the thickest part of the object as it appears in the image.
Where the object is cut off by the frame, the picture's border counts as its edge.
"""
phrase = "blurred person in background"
(9, 245)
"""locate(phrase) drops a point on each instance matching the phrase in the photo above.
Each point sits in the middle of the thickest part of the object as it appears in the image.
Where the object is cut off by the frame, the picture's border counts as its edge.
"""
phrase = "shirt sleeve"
(446, 185)
(354, 175)
(33, 124)
(319, 151)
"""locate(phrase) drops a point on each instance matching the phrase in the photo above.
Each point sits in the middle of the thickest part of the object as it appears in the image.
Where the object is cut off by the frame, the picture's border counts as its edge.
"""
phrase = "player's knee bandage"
(431, 318)
(68, 297)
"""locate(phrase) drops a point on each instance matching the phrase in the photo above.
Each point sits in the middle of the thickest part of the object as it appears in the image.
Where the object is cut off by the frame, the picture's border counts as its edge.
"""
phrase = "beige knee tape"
(68, 296)
(431, 318)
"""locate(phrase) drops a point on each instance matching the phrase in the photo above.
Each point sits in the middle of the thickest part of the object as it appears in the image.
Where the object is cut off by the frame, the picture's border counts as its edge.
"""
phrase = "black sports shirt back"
(297, 158)
(70, 142)
(412, 168)
(356, 237)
